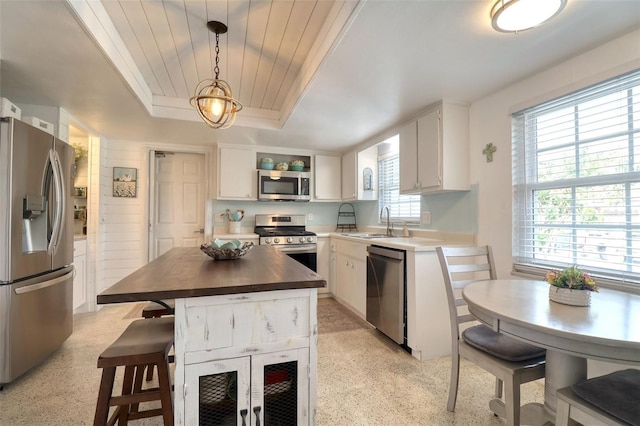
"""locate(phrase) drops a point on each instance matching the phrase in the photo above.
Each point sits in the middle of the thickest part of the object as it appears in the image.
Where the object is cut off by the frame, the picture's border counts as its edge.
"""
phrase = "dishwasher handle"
(386, 252)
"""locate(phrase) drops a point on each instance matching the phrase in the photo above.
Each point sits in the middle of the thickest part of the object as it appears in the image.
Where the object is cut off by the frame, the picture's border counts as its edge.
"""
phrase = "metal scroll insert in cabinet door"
(386, 292)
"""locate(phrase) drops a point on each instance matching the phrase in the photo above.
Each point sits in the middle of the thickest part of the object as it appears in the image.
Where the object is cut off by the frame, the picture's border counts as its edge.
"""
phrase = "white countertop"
(421, 240)
(403, 243)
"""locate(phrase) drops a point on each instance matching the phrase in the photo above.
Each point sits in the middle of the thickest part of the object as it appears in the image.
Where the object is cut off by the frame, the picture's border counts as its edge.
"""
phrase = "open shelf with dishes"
(295, 163)
(80, 210)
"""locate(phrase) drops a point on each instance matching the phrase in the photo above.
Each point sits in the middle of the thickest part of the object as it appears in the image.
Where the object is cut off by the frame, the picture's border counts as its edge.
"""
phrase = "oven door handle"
(307, 248)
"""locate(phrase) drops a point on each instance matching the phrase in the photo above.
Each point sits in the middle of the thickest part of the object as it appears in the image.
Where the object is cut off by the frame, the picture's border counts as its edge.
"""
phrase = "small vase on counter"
(235, 220)
(235, 227)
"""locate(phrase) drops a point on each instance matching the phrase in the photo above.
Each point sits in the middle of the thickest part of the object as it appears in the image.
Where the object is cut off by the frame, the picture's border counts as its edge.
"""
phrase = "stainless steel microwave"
(283, 186)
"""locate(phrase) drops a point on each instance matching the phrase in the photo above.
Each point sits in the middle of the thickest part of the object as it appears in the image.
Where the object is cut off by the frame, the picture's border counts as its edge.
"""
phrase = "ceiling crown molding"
(98, 25)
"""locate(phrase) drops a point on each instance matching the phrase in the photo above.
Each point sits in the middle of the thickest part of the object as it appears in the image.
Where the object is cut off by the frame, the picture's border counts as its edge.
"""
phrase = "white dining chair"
(610, 400)
(511, 361)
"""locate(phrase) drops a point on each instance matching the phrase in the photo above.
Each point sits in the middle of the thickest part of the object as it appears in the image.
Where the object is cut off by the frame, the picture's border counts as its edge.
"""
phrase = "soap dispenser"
(405, 230)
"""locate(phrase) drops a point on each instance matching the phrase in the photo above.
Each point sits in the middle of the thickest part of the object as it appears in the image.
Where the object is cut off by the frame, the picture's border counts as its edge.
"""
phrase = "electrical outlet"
(219, 217)
(426, 218)
(310, 216)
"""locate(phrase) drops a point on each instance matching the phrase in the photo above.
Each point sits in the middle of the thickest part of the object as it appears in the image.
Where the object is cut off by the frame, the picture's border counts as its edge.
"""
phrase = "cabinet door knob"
(243, 414)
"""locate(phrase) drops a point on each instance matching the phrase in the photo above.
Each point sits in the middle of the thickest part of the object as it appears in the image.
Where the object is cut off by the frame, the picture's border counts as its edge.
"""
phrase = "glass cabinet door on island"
(266, 389)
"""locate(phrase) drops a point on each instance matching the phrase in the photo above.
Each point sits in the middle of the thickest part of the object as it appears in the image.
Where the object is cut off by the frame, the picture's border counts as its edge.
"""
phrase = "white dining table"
(607, 330)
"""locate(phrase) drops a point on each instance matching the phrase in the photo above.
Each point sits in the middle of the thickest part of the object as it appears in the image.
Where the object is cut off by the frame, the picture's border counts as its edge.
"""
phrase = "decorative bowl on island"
(226, 250)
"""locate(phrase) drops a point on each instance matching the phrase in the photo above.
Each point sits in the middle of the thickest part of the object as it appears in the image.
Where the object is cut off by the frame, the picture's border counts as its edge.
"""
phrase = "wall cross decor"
(488, 151)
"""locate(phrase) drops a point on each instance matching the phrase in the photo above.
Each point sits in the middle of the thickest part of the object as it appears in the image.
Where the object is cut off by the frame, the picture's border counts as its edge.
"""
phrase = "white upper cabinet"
(237, 176)
(434, 151)
(360, 175)
(408, 158)
(327, 178)
(349, 180)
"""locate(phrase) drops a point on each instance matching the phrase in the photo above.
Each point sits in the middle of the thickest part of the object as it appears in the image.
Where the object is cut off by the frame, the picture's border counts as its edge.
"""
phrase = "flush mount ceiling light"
(512, 16)
(212, 98)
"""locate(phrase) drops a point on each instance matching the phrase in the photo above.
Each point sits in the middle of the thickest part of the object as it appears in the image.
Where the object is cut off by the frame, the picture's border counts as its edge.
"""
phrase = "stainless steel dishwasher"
(386, 291)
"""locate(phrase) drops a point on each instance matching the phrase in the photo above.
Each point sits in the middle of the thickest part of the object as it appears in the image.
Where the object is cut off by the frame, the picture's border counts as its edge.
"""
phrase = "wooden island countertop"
(188, 272)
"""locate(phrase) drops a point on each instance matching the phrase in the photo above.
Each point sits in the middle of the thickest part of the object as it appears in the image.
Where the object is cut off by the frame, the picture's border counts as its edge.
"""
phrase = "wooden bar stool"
(155, 309)
(145, 342)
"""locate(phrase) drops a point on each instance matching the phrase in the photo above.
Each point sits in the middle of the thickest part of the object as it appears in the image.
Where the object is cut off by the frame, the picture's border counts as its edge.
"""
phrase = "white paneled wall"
(120, 240)
(121, 221)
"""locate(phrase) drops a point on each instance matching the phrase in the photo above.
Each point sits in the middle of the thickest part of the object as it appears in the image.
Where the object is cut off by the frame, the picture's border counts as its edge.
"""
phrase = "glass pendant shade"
(519, 15)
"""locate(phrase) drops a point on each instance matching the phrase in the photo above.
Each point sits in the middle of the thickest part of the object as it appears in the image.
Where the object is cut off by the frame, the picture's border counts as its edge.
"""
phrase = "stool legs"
(165, 393)
(104, 394)
(133, 394)
(122, 411)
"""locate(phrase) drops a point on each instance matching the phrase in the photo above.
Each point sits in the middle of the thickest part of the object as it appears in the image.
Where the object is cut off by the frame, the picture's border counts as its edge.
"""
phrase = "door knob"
(199, 232)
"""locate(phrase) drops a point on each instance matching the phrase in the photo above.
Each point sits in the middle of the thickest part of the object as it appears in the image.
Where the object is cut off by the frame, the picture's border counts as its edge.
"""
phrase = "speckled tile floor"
(363, 379)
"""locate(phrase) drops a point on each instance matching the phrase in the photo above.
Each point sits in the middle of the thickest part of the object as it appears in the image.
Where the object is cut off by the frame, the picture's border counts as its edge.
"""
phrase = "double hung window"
(401, 207)
(576, 181)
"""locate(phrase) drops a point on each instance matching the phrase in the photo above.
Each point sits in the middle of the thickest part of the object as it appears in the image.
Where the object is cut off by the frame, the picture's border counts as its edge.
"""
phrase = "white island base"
(246, 358)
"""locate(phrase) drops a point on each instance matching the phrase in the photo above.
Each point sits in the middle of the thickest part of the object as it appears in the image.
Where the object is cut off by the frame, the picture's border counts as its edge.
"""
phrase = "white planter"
(568, 296)
(235, 227)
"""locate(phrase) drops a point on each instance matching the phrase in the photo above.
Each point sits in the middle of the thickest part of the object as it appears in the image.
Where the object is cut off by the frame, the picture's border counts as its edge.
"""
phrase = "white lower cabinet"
(267, 389)
(246, 359)
(324, 253)
(351, 275)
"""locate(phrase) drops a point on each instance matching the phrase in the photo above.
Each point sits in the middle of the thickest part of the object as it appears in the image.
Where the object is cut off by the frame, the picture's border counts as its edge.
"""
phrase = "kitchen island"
(245, 333)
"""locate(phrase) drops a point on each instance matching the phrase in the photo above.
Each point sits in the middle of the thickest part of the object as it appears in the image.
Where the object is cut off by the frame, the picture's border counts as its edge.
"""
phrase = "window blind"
(401, 207)
(576, 182)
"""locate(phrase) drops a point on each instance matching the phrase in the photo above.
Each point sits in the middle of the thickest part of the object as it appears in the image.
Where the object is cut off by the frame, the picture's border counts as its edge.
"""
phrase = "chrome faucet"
(389, 225)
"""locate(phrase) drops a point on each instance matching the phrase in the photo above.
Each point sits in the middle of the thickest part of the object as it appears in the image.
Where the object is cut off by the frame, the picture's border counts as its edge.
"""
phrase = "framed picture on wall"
(124, 182)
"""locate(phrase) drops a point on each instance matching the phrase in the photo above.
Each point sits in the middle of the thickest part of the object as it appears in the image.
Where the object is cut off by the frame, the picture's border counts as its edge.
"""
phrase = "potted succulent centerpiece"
(571, 286)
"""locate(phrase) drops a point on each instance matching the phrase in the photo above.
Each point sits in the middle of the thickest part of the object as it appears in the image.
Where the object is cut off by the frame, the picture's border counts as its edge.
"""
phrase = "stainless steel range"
(288, 234)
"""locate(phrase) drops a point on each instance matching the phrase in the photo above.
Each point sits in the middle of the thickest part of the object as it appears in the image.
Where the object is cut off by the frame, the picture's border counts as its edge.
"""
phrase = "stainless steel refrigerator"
(36, 246)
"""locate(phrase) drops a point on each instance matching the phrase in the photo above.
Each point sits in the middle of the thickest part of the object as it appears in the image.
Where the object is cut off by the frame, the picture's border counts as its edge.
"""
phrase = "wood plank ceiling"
(261, 56)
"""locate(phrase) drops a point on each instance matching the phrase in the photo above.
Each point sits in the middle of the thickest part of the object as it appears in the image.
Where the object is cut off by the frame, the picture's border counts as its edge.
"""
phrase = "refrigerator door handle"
(45, 284)
(60, 206)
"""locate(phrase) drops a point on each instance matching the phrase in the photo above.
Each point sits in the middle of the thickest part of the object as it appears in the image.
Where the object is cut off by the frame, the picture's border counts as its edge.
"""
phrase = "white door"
(178, 202)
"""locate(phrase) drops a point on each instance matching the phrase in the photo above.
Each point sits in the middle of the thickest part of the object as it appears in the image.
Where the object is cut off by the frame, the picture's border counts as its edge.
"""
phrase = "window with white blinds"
(401, 207)
(576, 180)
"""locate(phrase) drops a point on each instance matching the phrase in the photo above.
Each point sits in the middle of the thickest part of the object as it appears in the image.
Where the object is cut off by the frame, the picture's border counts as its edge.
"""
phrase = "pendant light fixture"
(212, 98)
(512, 16)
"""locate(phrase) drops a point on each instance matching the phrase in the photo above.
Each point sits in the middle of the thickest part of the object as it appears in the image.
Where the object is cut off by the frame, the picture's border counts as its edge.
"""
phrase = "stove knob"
(301, 240)
(309, 239)
(276, 240)
(289, 240)
(267, 240)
